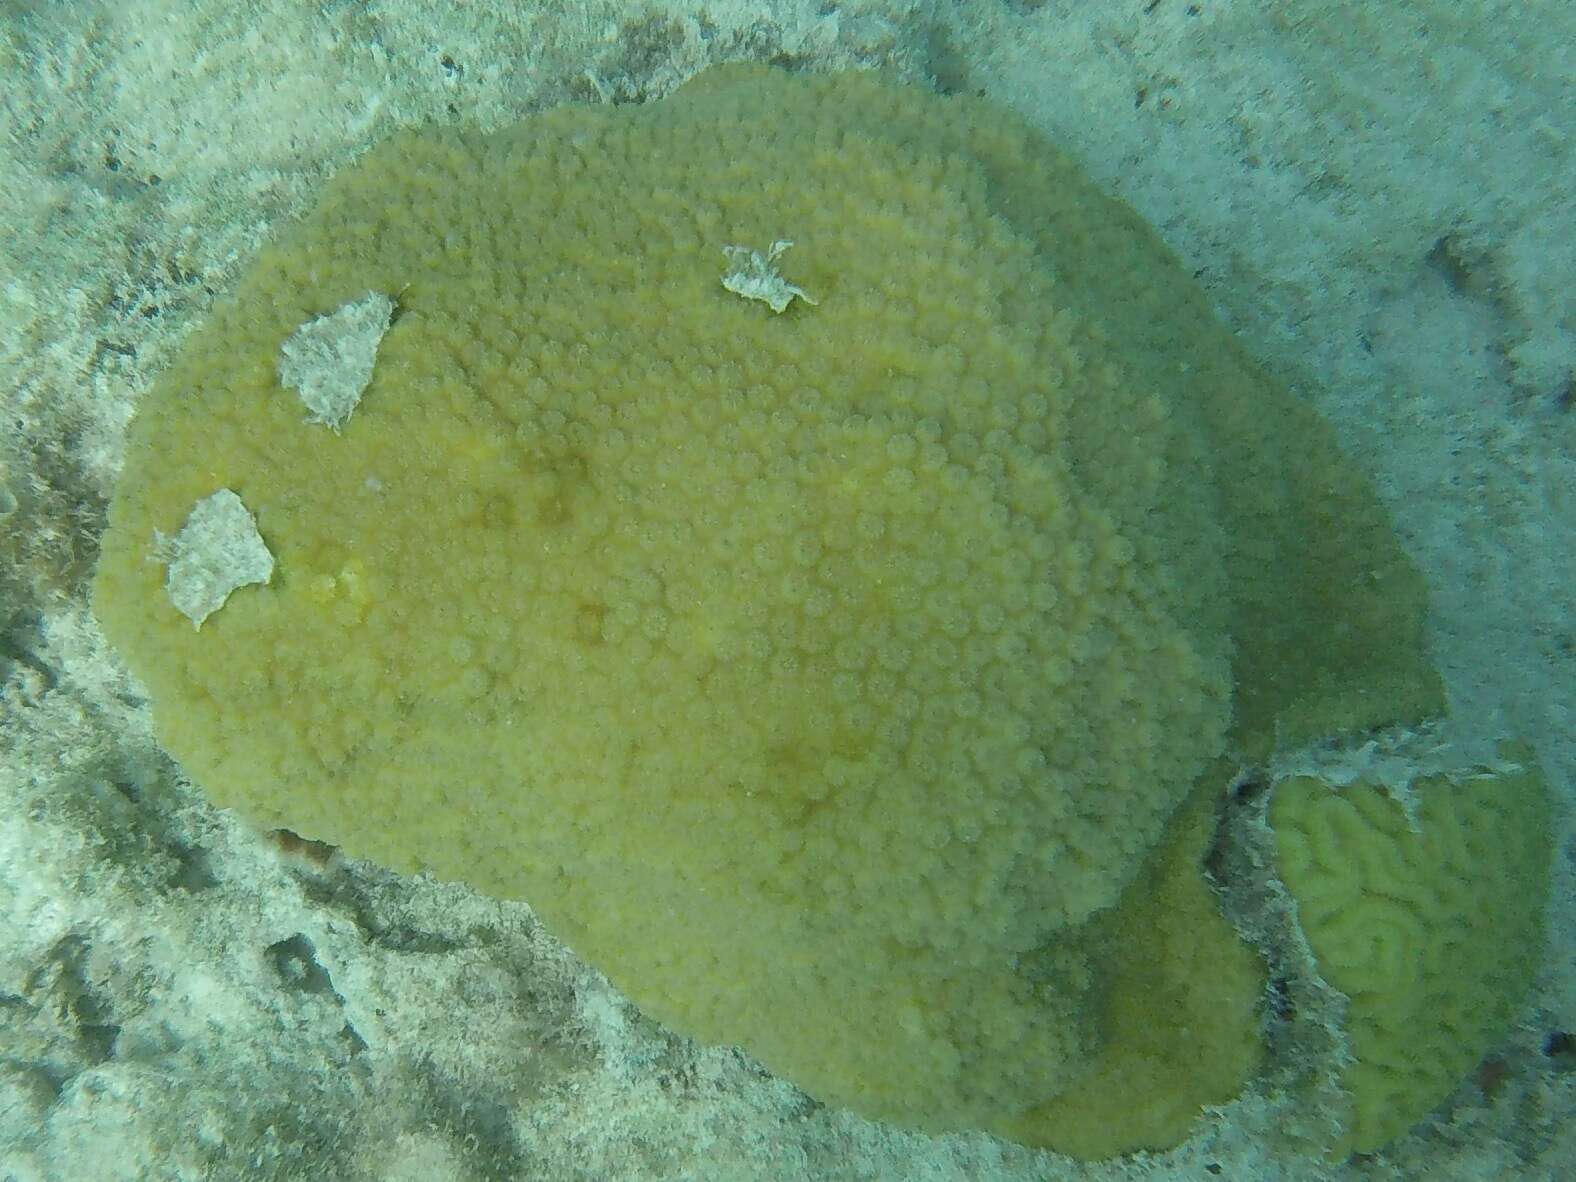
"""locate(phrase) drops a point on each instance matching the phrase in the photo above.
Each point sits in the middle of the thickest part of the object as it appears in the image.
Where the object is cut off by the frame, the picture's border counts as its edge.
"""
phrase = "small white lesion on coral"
(217, 550)
(329, 359)
(754, 276)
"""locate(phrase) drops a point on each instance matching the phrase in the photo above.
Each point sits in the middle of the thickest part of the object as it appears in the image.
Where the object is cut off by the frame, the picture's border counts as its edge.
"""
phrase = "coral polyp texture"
(823, 675)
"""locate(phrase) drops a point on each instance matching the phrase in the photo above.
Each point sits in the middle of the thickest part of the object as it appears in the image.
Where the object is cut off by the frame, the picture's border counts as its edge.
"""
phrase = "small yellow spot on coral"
(347, 591)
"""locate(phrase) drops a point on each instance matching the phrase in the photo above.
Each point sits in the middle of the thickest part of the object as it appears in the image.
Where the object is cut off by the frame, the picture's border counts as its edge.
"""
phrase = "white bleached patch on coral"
(217, 550)
(329, 359)
(754, 276)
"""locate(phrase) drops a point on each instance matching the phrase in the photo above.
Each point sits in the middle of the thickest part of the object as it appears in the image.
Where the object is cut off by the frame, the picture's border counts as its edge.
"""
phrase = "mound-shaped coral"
(1174, 1007)
(1430, 924)
(817, 674)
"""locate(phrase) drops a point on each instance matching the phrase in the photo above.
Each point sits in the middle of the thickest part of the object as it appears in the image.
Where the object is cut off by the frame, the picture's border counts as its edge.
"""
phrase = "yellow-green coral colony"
(828, 674)
(1430, 923)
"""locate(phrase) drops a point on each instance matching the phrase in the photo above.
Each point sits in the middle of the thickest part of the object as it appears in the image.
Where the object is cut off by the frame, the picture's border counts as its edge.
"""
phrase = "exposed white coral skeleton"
(755, 277)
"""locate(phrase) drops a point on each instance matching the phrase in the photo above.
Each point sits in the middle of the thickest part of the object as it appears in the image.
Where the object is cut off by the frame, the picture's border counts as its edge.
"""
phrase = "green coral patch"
(1432, 925)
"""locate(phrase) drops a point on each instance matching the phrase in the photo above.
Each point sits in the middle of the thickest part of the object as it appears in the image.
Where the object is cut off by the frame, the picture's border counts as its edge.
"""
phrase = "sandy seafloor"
(1378, 197)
